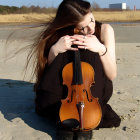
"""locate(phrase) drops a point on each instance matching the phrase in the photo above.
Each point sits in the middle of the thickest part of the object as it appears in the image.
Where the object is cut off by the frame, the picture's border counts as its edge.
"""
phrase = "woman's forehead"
(86, 19)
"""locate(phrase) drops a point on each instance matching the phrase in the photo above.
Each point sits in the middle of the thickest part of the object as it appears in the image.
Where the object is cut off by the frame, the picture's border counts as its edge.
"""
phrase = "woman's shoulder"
(106, 27)
(103, 31)
(106, 31)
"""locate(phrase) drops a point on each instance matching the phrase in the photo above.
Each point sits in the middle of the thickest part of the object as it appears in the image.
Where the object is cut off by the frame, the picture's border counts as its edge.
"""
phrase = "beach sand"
(18, 120)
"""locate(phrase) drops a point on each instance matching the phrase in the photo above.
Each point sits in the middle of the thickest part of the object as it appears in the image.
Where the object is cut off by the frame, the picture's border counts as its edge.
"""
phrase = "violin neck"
(77, 73)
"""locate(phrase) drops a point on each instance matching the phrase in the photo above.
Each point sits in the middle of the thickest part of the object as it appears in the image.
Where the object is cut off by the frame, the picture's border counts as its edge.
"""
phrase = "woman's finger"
(79, 38)
(74, 49)
(72, 39)
(82, 47)
(79, 43)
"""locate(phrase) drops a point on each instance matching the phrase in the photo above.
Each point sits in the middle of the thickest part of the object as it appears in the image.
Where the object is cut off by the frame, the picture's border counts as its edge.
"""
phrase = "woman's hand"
(63, 45)
(89, 42)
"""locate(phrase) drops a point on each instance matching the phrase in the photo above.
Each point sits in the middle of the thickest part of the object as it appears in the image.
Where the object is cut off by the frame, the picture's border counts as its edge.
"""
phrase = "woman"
(96, 44)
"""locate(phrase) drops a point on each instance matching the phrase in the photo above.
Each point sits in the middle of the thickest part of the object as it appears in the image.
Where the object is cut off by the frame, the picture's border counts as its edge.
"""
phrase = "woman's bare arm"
(109, 59)
(52, 54)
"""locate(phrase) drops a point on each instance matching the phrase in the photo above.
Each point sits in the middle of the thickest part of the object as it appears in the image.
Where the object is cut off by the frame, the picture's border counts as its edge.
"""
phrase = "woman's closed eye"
(92, 20)
(82, 28)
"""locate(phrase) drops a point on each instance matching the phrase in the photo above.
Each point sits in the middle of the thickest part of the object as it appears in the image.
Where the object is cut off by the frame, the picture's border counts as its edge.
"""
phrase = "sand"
(18, 120)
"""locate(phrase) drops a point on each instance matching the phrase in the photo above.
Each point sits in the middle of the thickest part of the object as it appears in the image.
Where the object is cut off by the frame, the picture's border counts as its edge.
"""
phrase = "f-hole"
(84, 90)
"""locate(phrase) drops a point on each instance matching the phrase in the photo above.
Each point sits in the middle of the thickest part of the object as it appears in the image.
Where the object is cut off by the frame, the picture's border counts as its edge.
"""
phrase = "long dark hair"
(69, 14)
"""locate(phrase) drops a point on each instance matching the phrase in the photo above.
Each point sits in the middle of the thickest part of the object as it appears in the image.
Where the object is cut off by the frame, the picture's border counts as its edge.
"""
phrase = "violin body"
(80, 105)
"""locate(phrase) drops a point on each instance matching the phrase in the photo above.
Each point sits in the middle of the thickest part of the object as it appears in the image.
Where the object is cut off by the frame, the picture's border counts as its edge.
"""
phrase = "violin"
(79, 110)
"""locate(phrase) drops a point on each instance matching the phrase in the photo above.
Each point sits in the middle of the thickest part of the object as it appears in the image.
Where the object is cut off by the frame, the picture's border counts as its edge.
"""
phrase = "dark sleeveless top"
(51, 89)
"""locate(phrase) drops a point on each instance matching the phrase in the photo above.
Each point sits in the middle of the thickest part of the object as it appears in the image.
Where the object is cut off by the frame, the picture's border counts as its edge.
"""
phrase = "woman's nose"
(89, 28)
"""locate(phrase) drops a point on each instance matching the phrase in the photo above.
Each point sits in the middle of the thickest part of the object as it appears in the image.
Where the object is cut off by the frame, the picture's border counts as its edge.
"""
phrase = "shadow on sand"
(17, 100)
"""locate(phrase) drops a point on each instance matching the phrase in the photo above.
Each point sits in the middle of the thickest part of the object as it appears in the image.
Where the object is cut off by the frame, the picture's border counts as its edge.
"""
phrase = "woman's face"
(87, 26)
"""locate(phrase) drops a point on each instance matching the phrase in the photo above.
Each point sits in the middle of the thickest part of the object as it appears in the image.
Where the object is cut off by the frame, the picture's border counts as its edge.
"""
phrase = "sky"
(55, 3)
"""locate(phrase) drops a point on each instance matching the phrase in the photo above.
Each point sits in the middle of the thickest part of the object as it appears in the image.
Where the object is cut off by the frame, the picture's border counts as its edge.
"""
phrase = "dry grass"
(25, 18)
(117, 16)
(113, 16)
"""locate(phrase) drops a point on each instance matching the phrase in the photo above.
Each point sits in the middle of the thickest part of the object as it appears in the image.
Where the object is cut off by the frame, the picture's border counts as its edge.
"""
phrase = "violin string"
(83, 86)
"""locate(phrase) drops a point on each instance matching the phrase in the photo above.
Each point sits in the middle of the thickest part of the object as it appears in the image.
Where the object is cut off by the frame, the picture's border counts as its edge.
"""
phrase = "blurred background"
(38, 11)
